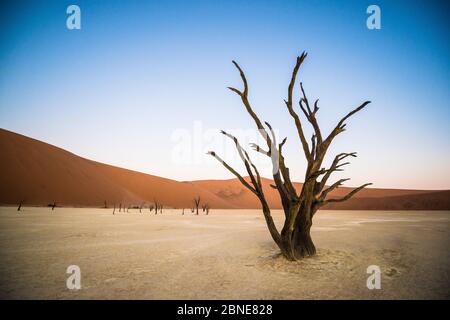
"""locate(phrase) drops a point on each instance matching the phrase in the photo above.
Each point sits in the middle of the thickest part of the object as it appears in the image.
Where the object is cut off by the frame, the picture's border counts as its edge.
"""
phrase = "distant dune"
(39, 173)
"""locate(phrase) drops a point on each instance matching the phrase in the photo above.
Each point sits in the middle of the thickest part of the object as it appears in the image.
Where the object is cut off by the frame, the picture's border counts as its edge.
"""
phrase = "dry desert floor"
(225, 255)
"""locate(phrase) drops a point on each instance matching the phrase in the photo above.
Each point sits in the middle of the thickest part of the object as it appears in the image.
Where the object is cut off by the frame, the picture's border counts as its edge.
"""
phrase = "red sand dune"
(39, 173)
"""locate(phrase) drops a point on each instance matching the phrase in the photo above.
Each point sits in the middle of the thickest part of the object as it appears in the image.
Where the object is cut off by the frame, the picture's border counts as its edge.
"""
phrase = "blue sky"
(139, 73)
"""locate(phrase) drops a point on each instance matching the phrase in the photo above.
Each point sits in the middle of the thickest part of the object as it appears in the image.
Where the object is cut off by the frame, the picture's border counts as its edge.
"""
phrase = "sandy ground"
(226, 255)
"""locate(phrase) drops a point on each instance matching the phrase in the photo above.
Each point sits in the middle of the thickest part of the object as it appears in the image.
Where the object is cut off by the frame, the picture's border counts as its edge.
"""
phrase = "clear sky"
(143, 84)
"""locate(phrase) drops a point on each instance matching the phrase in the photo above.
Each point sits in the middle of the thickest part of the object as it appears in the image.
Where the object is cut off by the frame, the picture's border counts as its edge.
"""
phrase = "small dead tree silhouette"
(114, 210)
(156, 206)
(294, 240)
(197, 204)
(206, 208)
(20, 205)
(120, 207)
(182, 213)
(53, 205)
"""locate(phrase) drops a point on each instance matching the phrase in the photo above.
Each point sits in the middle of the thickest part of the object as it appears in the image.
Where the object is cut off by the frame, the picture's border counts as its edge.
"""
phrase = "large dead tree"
(294, 240)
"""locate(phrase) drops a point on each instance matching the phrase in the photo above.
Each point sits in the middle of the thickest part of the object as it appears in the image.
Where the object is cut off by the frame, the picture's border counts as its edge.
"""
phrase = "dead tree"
(160, 208)
(20, 206)
(140, 208)
(114, 210)
(205, 208)
(182, 213)
(150, 208)
(197, 204)
(156, 206)
(120, 207)
(299, 208)
(53, 206)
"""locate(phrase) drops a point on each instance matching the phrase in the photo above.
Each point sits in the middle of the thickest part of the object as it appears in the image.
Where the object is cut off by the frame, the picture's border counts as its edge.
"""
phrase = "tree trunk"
(302, 244)
(298, 244)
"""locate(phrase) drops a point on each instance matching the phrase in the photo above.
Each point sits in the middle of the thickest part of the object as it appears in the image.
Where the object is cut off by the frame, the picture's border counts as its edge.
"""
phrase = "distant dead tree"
(182, 213)
(140, 208)
(114, 210)
(20, 205)
(120, 207)
(205, 208)
(161, 208)
(157, 206)
(294, 240)
(53, 205)
(150, 208)
(197, 204)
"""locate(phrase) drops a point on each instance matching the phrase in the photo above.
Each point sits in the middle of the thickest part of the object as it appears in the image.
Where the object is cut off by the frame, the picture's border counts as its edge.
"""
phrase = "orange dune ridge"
(39, 173)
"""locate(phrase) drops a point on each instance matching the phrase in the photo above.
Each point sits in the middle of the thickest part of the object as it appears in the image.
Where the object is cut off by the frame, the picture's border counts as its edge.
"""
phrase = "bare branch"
(292, 193)
(316, 107)
(311, 115)
(335, 185)
(259, 149)
(242, 153)
(244, 79)
(293, 114)
(313, 145)
(282, 143)
(244, 98)
(353, 112)
(241, 179)
(340, 127)
(335, 166)
(348, 195)
(247, 162)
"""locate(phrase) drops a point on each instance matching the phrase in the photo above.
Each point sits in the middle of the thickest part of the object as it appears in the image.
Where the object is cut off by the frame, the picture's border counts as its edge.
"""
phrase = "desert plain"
(227, 254)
